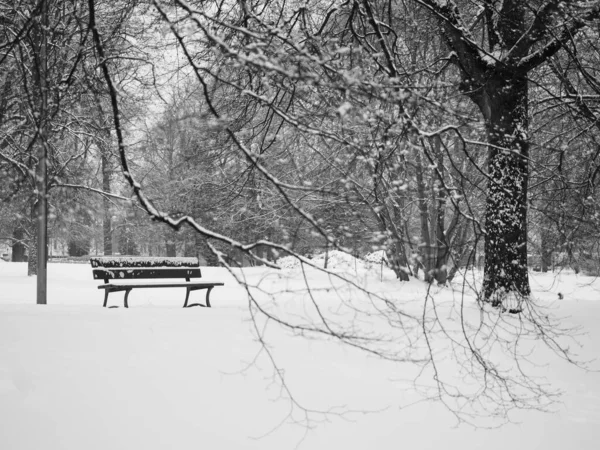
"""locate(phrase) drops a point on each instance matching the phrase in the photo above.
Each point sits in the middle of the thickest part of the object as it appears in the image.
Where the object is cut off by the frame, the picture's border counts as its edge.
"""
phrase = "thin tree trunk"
(438, 236)
(18, 247)
(395, 251)
(426, 247)
(171, 248)
(103, 144)
(107, 217)
(389, 217)
(545, 252)
(465, 253)
(205, 252)
(396, 257)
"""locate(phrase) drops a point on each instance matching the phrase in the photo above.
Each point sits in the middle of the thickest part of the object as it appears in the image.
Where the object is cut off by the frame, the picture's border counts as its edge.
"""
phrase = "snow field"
(74, 375)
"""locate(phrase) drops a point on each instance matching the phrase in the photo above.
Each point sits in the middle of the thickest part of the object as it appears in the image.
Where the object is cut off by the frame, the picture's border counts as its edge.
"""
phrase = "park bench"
(113, 270)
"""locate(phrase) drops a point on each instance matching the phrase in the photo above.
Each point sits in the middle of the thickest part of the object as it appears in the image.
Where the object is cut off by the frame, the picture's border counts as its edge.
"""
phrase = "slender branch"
(91, 189)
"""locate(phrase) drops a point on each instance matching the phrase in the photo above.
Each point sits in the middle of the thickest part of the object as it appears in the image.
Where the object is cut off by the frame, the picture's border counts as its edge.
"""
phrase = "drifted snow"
(337, 261)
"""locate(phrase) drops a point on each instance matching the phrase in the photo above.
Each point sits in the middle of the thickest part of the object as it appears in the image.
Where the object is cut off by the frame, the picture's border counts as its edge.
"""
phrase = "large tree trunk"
(515, 39)
(505, 108)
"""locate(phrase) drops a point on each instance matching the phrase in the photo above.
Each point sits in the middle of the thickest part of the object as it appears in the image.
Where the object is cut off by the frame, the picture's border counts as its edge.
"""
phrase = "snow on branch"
(541, 55)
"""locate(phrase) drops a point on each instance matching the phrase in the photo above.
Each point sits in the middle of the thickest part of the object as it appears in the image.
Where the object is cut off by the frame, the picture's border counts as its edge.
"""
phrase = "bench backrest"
(128, 267)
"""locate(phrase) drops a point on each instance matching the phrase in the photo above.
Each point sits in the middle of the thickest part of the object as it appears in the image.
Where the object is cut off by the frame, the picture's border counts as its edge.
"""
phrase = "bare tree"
(496, 46)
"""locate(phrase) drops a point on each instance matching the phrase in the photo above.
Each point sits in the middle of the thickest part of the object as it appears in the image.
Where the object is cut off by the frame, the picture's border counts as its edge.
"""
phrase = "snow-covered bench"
(114, 269)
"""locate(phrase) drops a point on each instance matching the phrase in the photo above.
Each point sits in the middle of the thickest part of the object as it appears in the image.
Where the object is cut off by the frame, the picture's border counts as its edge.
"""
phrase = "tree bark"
(504, 104)
(32, 260)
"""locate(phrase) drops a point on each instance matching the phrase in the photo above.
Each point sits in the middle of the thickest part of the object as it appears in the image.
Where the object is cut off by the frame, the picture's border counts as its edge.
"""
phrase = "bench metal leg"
(187, 296)
(108, 291)
(186, 304)
(208, 296)
(127, 291)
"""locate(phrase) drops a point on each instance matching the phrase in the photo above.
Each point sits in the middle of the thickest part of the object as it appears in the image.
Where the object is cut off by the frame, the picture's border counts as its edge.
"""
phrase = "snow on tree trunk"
(505, 269)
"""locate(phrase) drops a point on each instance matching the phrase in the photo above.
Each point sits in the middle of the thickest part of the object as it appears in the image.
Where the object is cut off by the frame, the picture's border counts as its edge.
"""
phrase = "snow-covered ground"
(74, 375)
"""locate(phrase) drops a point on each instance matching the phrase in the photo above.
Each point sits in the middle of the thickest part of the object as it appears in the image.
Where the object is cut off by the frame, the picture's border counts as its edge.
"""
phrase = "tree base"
(510, 302)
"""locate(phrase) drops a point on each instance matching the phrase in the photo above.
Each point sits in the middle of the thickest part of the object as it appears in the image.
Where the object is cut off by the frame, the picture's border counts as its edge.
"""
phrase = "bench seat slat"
(161, 285)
